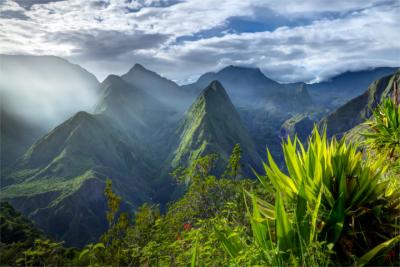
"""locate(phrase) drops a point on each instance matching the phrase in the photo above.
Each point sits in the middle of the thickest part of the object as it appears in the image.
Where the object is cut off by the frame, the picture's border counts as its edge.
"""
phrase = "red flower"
(187, 226)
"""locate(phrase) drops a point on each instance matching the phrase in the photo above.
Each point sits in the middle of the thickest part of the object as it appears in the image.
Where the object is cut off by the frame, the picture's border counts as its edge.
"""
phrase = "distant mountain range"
(344, 87)
(141, 127)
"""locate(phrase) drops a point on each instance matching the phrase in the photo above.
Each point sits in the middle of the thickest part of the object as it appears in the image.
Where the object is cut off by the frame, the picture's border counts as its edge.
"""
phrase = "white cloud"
(110, 36)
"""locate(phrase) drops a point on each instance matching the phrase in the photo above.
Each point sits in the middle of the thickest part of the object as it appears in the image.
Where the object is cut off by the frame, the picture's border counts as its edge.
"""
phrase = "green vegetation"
(335, 203)
(384, 130)
(330, 201)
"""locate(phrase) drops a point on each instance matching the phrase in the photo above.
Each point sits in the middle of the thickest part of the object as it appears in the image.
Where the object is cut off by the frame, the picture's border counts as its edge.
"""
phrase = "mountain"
(164, 90)
(346, 86)
(249, 87)
(212, 125)
(300, 125)
(51, 88)
(16, 135)
(358, 109)
(137, 133)
(59, 181)
(262, 103)
(134, 109)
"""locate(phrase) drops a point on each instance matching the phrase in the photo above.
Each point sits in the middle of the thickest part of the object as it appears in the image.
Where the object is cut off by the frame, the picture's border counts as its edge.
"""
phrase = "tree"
(197, 171)
(233, 169)
(118, 222)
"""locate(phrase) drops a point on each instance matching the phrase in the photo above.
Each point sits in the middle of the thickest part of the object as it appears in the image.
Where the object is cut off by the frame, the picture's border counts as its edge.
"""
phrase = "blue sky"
(288, 40)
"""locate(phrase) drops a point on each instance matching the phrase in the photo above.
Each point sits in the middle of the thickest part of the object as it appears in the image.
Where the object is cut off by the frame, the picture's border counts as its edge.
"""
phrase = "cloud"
(27, 4)
(288, 40)
(13, 14)
(107, 44)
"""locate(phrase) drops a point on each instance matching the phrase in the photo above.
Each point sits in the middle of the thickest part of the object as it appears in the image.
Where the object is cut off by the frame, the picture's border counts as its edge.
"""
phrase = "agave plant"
(384, 129)
(357, 205)
(329, 197)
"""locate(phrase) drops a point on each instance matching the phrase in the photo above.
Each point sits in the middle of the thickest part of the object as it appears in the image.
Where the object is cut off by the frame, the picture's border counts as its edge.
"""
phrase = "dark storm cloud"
(107, 44)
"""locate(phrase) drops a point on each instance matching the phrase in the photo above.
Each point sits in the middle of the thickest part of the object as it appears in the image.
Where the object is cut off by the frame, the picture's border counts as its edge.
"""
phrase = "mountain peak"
(214, 86)
(212, 125)
(138, 67)
(215, 94)
(164, 90)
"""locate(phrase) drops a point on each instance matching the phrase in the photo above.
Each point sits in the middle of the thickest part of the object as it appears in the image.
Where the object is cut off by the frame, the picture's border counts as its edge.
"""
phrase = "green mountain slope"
(212, 125)
(262, 103)
(358, 109)
(59, 181)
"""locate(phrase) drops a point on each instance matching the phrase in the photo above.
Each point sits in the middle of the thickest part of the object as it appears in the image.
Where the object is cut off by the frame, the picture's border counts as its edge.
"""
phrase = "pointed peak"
(138, 67)
(214, 96)
(214, 88)
(215, 85)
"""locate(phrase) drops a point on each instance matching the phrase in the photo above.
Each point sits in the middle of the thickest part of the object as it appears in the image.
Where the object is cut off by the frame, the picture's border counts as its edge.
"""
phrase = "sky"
(289, 41)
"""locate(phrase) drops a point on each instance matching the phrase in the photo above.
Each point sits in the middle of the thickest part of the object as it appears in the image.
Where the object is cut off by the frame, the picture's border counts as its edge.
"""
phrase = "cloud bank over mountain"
(289, 40)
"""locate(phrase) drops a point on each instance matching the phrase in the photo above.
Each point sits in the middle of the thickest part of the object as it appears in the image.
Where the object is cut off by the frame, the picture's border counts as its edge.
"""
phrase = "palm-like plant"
(384, 129)
(357, 206)
(329, 194)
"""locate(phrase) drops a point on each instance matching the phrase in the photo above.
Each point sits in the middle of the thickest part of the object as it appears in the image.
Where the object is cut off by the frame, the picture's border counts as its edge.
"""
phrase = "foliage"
(383, 134)
(333, 204)
(17, 234)
(233, 170)
(197, 171)
(43, 252)
(334, 198)
(93, 252)
(113, 238)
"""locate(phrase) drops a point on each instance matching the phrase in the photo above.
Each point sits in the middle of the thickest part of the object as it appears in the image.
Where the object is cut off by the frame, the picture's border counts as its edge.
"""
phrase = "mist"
(45, 90)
